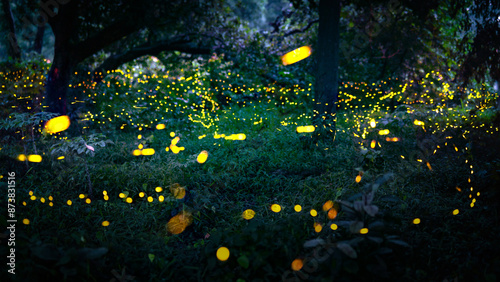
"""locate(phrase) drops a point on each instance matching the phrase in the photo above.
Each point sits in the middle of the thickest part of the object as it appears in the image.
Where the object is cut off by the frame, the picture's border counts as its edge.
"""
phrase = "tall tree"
(130, 28)
(12, 45)
(326, 88)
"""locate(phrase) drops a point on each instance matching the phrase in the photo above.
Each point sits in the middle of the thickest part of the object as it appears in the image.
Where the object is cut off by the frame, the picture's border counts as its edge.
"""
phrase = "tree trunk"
(12, 46)
(58, 80)
(326, 88)
(37, 47)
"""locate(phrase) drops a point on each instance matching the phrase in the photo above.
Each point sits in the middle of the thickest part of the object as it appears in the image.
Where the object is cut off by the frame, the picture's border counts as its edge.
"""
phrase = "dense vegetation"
(183, 167)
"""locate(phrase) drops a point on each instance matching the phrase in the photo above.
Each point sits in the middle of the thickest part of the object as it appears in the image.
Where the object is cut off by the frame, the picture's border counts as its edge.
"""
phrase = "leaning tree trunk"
(326, 87)
(58, 80)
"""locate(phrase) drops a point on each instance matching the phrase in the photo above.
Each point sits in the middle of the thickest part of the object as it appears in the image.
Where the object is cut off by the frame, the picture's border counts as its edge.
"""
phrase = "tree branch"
(182, 44)
(108, 35)
(297, 30)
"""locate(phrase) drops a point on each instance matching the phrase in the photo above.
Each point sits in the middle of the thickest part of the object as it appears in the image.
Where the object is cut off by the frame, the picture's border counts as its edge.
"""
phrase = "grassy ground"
(432, 173)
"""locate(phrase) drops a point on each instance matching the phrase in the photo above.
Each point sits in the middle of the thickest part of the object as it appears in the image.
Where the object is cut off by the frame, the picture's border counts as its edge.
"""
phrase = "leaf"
(377, 240)
(399, 242)
(151, 257)
(371, 210)
(355, 226)
(347, 250)
(376, 226)
(313, 243)
(358, 206)
(243, 261)
(46, 252)
(90, 253)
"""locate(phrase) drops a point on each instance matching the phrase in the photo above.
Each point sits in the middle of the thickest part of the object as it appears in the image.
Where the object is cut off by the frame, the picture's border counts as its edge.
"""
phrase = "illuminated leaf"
(178, 223)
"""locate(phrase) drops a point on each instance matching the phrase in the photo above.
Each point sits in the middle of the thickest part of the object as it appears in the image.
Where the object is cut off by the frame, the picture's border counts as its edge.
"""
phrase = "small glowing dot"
(455, 212)
(297, 208)
(317, 227)
(313, 213)
(105, 223)
(161, 198)
(81, 196)
(33, 198)
(334, 226)
(327, 205)
(363, 230)
(276, 208)
(223, 253)
(141, 194)
(297, 264)
(87, 201)
(172, 134)
(150, 199)
(121, 195)
(358, 178)
(416, 221)
(129, 200)
(106, 197)
(26, 221)
(42, 200)
(248, 214)
(69, 202)
(158, 189)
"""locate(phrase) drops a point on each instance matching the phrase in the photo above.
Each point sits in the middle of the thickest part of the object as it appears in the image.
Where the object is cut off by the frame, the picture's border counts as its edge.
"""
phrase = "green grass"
(273, 165)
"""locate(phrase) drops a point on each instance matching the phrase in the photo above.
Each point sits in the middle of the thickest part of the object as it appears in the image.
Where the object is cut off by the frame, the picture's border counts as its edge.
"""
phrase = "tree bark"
(326, 86)
(37, 46)
(13, 49)
(58, 78)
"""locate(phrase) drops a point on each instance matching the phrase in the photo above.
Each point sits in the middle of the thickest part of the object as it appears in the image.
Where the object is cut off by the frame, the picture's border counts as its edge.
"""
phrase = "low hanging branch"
(301, 30)
(181, 44)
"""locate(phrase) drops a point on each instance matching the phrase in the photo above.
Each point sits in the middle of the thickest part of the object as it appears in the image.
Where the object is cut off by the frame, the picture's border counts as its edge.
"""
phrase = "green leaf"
(243, 261)
(151, 257)
(347, 250)
(89, 253)
(46, 252)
